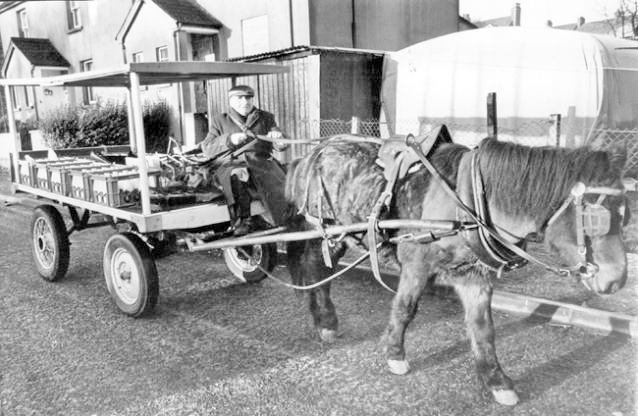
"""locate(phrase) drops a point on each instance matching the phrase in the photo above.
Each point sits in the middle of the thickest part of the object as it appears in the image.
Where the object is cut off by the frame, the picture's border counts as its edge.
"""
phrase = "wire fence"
(604, 139)
(531, 133)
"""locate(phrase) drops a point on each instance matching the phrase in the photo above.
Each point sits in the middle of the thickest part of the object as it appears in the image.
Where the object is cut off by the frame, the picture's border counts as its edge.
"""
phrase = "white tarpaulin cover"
(535, 72)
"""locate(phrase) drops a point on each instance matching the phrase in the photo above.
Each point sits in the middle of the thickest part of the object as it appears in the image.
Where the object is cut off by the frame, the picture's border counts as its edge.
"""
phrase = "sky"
(538, 12)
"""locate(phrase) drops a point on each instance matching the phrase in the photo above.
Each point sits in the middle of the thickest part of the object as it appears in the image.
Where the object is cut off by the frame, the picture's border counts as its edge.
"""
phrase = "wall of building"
(96, 40)
(350, 85)
(233, 13)
(380, 24)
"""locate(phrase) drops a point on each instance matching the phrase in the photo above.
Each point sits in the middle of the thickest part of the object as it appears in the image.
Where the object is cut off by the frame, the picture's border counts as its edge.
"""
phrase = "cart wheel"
(245, 268)
(130, 273)
(50, 242)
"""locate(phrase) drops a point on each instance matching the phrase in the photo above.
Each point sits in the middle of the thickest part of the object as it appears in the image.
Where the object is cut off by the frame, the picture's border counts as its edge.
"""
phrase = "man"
(246, 159)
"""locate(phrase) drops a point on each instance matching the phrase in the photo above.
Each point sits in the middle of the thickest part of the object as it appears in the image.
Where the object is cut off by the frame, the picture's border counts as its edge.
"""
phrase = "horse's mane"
(534, 181)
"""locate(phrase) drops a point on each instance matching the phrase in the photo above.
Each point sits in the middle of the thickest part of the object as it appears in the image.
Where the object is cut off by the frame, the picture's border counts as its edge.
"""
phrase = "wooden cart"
(73, 181)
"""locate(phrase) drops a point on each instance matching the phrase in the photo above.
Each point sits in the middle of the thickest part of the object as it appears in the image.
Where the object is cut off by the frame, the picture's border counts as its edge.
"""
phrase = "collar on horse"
(592, 219)
(489, 249)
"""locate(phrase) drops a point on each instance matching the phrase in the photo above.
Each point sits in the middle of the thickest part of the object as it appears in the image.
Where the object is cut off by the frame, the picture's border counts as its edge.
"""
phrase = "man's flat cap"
(241, 91)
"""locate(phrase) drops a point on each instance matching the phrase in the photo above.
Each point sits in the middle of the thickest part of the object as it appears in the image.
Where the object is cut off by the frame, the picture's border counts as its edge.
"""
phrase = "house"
(75, 36)
(514, 19)
(620, 28)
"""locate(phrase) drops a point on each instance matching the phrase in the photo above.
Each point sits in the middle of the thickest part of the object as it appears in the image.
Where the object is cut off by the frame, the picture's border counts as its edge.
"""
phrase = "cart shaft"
(441, 225)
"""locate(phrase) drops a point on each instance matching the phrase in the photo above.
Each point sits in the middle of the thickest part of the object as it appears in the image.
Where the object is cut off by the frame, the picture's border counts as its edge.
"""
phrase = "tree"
(627, 13)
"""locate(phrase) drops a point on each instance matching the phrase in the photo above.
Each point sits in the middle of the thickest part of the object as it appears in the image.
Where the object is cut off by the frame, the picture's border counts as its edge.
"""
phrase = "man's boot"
(243, 225)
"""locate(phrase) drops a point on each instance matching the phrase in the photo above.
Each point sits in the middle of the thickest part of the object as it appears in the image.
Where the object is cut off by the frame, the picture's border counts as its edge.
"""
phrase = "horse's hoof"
(399, 367)
(328, 335)
(505, 397)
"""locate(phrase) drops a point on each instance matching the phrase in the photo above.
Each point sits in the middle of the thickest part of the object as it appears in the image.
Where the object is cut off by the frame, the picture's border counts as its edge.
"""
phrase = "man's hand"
(274, 134)
(237, 139)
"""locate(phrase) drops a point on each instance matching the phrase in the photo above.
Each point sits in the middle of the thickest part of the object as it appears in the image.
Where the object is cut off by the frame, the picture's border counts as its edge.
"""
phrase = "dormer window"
(73, 15)
(23, 24)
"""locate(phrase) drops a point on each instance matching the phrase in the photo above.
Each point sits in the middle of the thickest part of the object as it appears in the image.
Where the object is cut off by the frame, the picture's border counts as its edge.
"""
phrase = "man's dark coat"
(266, 174)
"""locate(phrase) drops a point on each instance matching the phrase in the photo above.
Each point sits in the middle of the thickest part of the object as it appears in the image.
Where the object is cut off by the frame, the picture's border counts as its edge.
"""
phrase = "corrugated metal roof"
(302, 48)
(40, 51)
(188, 12)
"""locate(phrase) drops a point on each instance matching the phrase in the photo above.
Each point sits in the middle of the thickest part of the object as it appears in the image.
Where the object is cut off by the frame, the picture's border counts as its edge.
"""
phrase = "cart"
(97, 193)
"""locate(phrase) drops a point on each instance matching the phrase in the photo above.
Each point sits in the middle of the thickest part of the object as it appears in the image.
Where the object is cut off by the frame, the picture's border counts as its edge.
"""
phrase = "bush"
(4, 124)
(104, 124)
(157, 118)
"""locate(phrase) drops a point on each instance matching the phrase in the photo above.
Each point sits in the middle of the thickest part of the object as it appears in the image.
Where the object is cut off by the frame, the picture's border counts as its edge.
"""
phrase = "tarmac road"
(217, 347)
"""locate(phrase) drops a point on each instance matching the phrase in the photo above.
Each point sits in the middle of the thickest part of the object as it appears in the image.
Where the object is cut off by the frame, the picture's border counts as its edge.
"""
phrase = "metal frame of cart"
(129, 267)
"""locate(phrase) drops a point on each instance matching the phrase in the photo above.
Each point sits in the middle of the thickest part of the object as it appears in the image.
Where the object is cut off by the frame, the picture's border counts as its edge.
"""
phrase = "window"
(27, 98)
(254, 34)
(73, 15)
(161, 54)
(14, 97)
(23, 24)
(137, 57)
(87, 92)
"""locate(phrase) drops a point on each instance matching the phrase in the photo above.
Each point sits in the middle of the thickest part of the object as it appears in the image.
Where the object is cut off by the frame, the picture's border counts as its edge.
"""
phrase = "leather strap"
(446, 188)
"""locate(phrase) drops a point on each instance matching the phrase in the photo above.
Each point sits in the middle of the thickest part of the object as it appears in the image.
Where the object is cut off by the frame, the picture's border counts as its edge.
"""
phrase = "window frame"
(14, 97)
(159, 50)
(88, 96)
(137, 56)
(74, 15)
(23, 23)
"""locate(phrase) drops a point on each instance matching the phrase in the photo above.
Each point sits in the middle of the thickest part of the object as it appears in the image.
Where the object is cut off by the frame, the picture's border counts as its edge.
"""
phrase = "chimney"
(516, 14)
(581, 22)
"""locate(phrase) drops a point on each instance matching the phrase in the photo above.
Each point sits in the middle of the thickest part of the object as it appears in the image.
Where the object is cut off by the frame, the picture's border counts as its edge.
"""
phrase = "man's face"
(243, 104)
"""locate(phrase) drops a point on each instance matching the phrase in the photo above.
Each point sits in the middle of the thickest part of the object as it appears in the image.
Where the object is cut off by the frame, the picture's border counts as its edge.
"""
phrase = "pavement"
(530, 291)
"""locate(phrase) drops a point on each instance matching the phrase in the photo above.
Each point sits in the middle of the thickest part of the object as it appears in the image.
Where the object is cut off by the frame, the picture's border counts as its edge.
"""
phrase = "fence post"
(554, 128)
(492, 124)
(570, 128)
(355, 125)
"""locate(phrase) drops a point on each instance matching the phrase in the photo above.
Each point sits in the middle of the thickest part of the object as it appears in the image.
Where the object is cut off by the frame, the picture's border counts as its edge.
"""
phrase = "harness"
(591, 220)
(490, 246)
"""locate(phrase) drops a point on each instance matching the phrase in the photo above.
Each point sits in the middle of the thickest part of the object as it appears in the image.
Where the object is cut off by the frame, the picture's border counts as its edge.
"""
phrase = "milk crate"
(60, 175)
(43, 169)
(82, 183)
(120, 188)
(26, 173)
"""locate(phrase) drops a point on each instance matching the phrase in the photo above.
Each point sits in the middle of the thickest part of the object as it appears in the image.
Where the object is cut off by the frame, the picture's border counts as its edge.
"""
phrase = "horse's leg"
(404, 306)
(475, 292)
(306, 265)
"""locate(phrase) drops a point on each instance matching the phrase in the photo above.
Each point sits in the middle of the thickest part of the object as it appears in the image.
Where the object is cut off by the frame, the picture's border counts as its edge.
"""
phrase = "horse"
(530, 193)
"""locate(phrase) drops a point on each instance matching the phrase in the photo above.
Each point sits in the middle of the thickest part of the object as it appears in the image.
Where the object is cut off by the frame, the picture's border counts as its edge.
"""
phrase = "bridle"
(591, 220)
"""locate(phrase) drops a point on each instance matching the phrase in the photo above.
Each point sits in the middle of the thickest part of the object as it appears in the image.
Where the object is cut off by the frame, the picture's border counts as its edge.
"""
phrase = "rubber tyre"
(265, 255)
(49, 243)
(131, 275)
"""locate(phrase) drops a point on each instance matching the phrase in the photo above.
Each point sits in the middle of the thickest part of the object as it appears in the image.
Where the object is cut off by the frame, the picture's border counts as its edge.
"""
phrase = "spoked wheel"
(130, 273)
(242, 261)
(50, 242)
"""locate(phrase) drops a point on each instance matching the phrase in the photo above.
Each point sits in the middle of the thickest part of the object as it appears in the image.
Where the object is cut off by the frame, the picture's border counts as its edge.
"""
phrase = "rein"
(595, 216)
(591, 220)
(410, 141)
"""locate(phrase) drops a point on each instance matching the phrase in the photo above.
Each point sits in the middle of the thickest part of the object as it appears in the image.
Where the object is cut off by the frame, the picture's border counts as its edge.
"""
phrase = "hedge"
(104, 124)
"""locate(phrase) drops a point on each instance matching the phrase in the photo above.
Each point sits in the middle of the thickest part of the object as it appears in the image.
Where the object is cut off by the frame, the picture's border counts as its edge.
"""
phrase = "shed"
(591, 80)
(324, 89)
